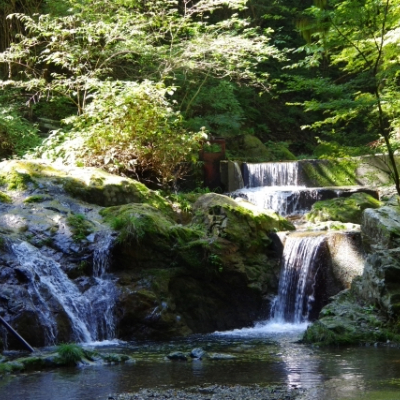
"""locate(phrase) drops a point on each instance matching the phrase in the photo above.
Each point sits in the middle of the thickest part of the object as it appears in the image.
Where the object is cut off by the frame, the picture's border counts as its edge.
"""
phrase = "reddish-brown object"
(212, 176)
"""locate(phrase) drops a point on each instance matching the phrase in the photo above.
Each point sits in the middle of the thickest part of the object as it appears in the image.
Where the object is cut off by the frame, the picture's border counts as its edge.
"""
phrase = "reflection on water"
(266, 354)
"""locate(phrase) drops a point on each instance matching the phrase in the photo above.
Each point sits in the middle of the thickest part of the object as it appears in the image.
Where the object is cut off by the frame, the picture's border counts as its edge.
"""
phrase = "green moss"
(79, 225)
(37, 198)
(330, 172)
(16, 180)
(248, 148)
(32, 362)
(114, 191)
(321, 335)
(266, 220)
(114, 358)
(135, 222)
(5, 368)
(342, 209)
(5, 198)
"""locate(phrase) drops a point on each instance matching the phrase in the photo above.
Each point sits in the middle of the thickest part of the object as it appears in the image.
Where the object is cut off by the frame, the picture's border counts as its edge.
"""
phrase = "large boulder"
(343, 209)
(380, 284)
(381, 228)
(212, 274)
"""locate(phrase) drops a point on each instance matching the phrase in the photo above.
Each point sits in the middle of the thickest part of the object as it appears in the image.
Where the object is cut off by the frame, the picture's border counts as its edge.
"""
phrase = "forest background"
(139, 87)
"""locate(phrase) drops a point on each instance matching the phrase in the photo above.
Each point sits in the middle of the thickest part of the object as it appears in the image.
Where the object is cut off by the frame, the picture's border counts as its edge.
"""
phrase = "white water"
(102, 256)
(90, 313)
(292, 306)
(297, 281)
(275, 186)
(266, 328)
(271, 174)
(285, 200)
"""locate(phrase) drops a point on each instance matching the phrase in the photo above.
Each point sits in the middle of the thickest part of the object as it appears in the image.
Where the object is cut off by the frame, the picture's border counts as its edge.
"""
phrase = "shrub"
(70, 354)
(79, 225)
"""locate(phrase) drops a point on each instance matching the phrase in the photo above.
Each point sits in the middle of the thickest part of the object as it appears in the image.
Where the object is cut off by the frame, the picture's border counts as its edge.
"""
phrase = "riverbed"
(267, 355)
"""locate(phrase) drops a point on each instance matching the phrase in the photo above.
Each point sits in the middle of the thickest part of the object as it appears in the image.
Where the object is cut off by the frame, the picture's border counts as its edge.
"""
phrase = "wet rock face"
(212, 274)
(164, 279)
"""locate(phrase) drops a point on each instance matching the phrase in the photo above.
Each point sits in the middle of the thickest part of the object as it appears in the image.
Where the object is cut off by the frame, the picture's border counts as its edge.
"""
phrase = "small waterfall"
(90, 313)
(299, 267)
(271, 174)
(237, 176)
(102, 296)
(275, 186)
(102, 255)
(284, 200)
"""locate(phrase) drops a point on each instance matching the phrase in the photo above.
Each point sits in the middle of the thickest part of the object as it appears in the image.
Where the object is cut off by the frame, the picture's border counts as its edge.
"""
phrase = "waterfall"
(89, 313)
(275, 186)
(284, 200)
(102, 255)
(271, 174)
(299, 267)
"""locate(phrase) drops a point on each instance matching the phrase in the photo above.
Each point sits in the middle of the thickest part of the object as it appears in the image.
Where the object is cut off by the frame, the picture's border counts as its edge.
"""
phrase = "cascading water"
(297, 284)
(285, 200)
(271, 174)
(102, 295)
(276, 186)
(90, 313)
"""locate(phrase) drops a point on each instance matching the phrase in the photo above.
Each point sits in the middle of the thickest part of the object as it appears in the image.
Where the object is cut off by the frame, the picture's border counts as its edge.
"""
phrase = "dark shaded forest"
(138, 87)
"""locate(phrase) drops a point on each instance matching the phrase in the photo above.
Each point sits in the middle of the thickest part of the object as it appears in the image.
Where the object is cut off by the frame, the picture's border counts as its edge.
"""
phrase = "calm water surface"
(263, 355)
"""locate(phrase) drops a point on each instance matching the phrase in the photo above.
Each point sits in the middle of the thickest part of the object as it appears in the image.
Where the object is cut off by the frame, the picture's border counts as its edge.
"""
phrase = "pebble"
(213, 392)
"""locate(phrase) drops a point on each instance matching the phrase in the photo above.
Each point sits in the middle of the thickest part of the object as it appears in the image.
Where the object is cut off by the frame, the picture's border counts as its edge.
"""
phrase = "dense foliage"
(136, 87)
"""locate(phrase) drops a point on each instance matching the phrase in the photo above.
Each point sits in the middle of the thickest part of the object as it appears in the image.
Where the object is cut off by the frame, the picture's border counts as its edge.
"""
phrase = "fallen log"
(16, 334)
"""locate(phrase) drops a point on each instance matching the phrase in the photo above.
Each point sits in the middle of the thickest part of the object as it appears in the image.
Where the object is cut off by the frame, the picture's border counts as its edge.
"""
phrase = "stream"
(265, 355)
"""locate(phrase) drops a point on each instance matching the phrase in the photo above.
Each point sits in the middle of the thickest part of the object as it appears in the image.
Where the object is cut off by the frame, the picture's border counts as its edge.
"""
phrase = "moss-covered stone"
(320, 173)
(89, 184)
(15, 180)
(248, 148)
(349, 320)
(38, 198)
(143, 222)
(342, 209)
(381, 228)
(5, 198)
(241, 221)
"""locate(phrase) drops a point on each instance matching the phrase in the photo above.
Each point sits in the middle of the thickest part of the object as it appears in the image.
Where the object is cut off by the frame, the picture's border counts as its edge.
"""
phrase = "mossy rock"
(249, 148)
(5, 198)
(322, 173)
(347, 320)
(89, 184)
(346, 210)
(381, 228)
(143, 222)
(240, 222)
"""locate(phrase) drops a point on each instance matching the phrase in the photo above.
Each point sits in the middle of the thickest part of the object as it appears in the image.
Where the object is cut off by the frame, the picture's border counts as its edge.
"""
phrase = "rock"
(367, 312)
(380, 282)
(342, 209)
(220, 356)
(381, 228)
(198, 353)
(177, 356)
(114, 358)
(347, 257)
